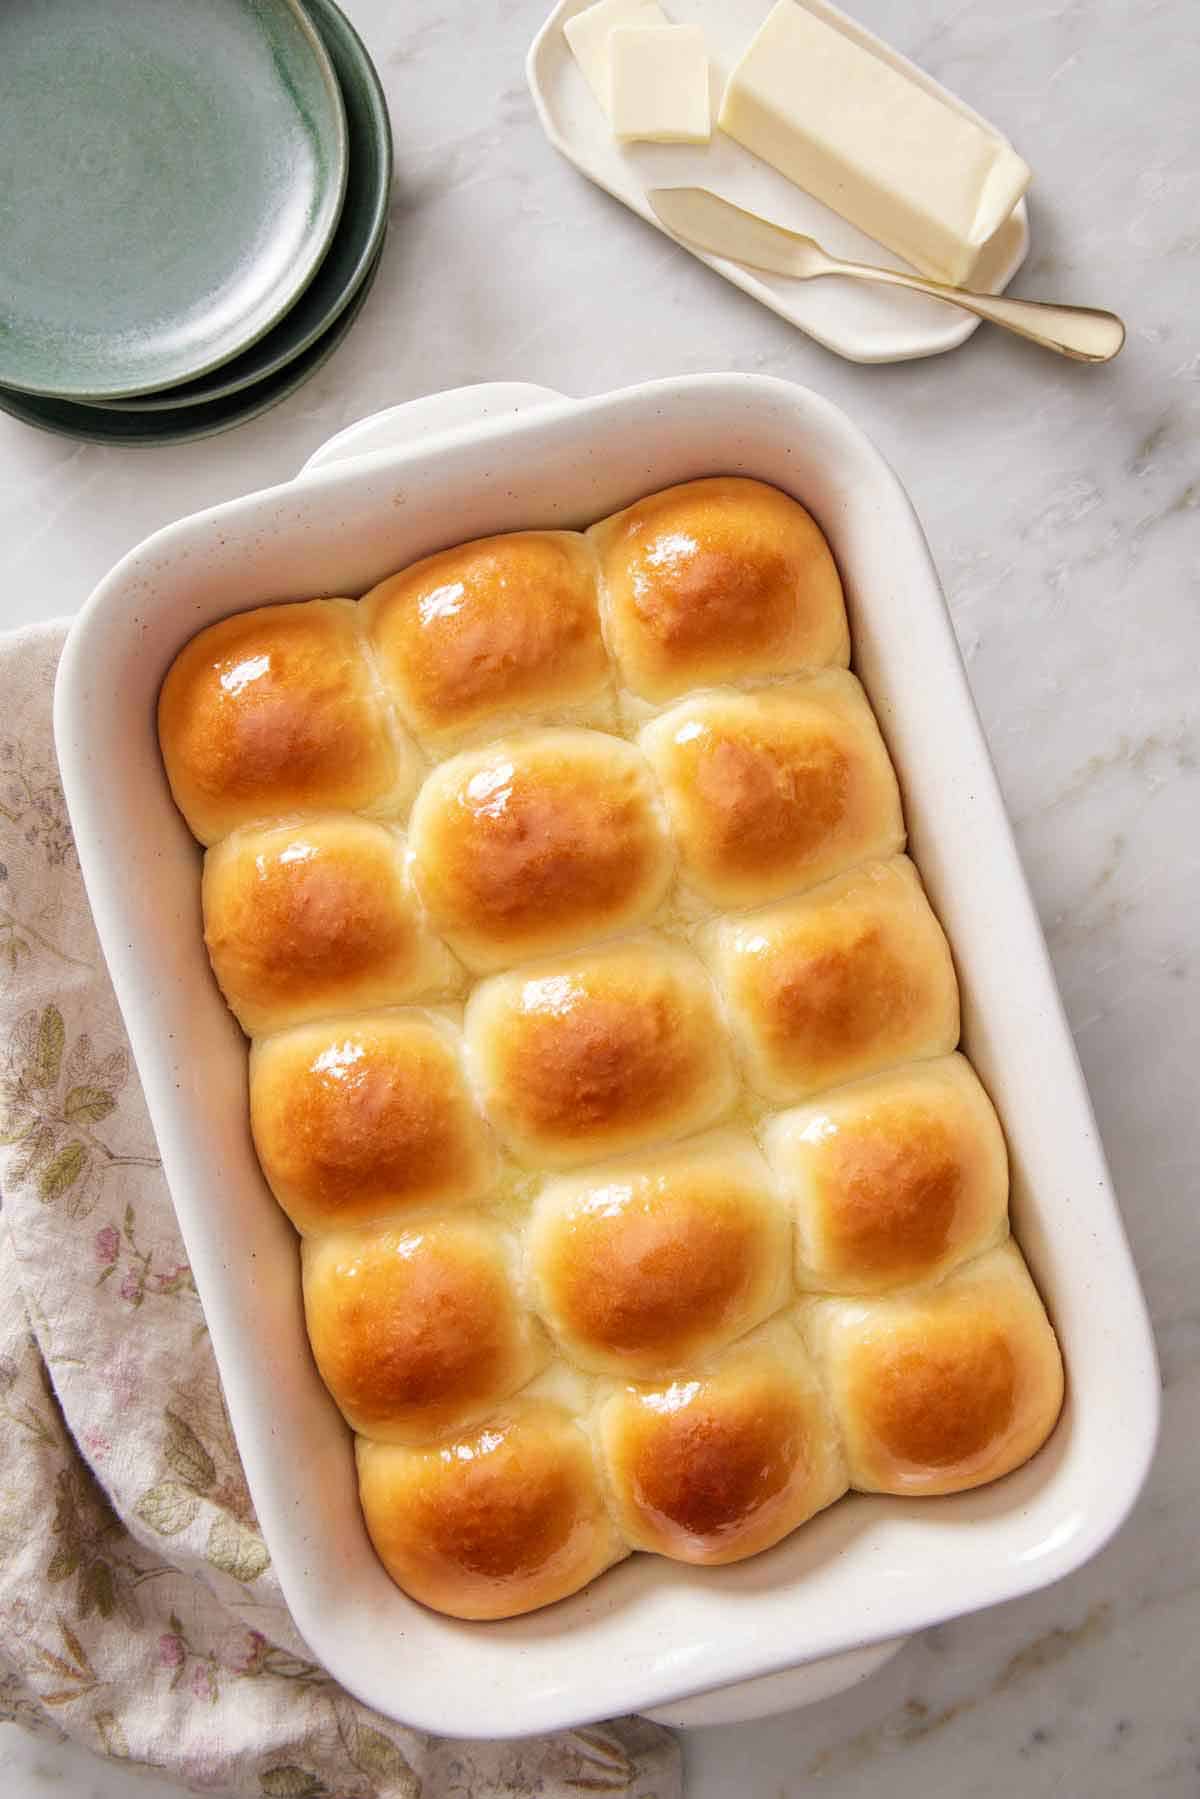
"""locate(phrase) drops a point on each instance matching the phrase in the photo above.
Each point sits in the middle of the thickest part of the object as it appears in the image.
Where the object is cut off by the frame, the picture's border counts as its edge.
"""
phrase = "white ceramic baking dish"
(649, 1633)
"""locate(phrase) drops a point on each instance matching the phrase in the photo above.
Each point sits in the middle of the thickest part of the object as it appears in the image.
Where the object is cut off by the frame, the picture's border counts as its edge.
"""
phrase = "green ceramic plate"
(95, 424)
(171, 174)
(358, 236)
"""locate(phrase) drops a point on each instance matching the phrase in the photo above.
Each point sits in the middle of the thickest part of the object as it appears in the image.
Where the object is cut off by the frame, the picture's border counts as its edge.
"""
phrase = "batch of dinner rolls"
(603, 1050)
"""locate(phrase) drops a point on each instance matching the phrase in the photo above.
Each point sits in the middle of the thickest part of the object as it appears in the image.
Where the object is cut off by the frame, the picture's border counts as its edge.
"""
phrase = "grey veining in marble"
(1063, 507)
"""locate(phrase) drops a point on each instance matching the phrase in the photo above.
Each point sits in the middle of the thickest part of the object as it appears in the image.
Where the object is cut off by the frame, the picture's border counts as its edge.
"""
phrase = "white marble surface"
(1063, 507)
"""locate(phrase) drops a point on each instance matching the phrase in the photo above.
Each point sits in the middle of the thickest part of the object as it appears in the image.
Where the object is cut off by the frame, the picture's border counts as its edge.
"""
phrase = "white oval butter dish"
(860, 323)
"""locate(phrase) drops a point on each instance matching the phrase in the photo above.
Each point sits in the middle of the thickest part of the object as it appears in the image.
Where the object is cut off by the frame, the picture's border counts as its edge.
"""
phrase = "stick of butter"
(660, 84)
(867, 140)
(589, 32)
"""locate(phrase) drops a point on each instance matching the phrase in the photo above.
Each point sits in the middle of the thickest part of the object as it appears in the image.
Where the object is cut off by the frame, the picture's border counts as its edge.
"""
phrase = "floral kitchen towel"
(139, 1612)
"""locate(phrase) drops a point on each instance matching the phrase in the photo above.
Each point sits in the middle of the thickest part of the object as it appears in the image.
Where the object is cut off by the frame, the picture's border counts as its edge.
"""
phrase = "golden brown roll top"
(645, 1265)
(277, 711)
(417, 1330)
(855, 976)
(717, 580)
(499, 1521)
(893, 1179)
(362, 1116)
(773, 791)
(596, 1053)
(317, 917)
(537, 843)
(943, 1387)
(504, 625)
(720, 1465)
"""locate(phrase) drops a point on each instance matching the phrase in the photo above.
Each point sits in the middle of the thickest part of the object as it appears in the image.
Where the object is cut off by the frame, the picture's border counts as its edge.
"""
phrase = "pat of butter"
(871, 143)
(588, 34)
(660, 84)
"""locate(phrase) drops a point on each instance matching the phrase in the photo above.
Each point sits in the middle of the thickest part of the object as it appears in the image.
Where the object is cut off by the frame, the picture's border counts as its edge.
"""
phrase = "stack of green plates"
(193, 201)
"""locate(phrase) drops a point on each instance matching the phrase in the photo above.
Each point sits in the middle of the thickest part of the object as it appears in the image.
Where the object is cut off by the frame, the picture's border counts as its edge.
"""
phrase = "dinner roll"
(317, 917)
(357, 1117)
(644, 1265)
(722, 1464)
(537, 843)
(417, 1329)
(601, 1051)
(277, 711)
(717, 580)
(773, 791)
(502, 1520)
(941, 1388)
(896, 1178)
(504, 625)
(853, 977)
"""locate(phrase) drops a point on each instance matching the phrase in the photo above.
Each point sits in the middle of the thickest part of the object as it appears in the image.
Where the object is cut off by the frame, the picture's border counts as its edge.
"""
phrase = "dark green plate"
(358, 237)
(171, 175)
(95, 424)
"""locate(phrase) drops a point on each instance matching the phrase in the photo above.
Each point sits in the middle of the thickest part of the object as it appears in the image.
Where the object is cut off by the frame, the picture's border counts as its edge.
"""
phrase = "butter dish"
(857, 322)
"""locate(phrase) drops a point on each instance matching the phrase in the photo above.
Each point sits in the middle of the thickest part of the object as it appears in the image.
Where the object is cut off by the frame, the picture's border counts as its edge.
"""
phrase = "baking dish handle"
(458, 408)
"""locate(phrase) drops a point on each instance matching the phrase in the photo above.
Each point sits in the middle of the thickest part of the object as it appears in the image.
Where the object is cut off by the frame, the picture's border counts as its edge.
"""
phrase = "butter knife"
(697, 216)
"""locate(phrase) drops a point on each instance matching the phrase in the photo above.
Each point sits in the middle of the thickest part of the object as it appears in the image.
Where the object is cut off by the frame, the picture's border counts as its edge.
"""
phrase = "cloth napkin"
(139, 1613)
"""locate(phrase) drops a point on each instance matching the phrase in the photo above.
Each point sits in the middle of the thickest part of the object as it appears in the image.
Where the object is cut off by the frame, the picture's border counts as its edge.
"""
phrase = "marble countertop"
(1063, 507)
